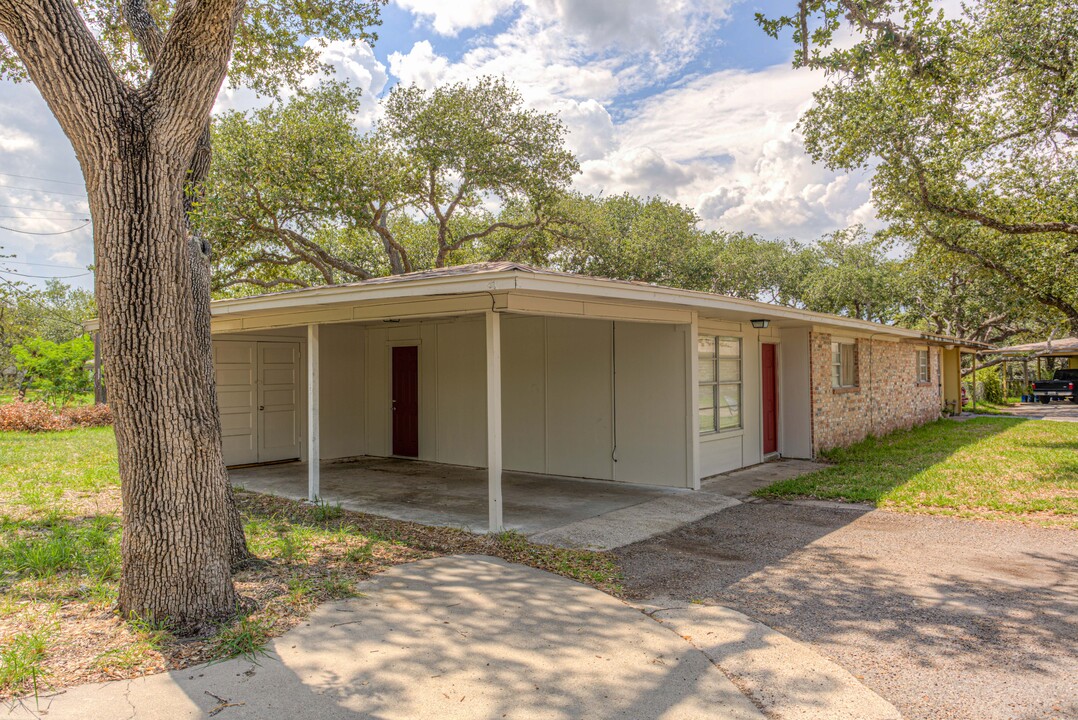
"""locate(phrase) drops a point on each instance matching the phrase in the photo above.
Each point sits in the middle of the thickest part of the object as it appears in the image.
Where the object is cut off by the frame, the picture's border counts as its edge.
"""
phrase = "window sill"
(721, 434)
(845, 390)
(924, 384)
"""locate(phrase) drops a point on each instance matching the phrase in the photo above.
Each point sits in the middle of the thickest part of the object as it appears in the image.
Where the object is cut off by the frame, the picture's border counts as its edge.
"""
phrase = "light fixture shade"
(760, 324)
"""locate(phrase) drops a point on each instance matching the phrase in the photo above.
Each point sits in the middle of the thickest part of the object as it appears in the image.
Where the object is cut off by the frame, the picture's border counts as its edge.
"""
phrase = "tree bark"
(178, 526)
(135, 147)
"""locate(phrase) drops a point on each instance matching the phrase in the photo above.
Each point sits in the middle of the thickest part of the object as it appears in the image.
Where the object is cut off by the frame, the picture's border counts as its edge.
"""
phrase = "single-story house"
(509, 367)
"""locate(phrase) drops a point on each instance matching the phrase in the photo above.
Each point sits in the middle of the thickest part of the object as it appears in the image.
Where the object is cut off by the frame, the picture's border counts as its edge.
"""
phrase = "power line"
(41, 190)
(41, 209)
(44, 277)
(31, 177)
(48, 265)
(39, 217)
(51, 311)
(62, 232)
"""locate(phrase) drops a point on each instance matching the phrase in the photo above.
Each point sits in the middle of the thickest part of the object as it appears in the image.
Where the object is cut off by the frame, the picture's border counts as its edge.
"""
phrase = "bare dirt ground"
(944, 618)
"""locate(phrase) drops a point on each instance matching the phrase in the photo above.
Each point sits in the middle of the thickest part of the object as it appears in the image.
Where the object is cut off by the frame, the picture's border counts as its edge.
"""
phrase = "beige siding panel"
(752, 451)
(578, 422)
(650, 404)
(720, 453)
(341, 391)
(428, 390)
(524, 393)
(795, 402)
(461, 394)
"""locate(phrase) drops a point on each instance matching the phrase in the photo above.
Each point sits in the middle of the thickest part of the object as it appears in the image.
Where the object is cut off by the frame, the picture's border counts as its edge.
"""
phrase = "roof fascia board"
(355, 294)
(694, 300)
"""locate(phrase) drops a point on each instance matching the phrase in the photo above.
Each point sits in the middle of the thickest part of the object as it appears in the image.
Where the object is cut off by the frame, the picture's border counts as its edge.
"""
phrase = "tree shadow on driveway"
(944, 618)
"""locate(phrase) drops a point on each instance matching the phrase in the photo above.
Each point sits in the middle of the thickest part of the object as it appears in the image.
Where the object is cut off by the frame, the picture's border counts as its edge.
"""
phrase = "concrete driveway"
(944, 618)
(1059, 411)
(459, 637)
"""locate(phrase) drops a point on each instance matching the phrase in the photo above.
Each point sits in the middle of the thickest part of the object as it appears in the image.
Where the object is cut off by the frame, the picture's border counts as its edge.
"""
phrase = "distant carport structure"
(1066, 348)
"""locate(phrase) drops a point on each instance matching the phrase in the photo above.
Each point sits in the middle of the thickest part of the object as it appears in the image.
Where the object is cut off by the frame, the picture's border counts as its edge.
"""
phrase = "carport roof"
(1049, 348)
(495, 277)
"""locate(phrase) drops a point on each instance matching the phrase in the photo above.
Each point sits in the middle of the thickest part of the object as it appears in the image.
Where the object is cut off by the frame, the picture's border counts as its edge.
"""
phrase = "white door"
(278, 401)
(235, 365)
(258, 394)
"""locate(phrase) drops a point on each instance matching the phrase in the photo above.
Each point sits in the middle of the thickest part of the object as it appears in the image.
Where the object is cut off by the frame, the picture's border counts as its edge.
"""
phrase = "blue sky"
(686, 99)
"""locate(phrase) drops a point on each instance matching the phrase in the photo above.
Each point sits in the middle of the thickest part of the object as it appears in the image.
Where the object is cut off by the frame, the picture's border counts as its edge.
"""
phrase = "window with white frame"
(844, 364)
(923, 372)
(720, 383)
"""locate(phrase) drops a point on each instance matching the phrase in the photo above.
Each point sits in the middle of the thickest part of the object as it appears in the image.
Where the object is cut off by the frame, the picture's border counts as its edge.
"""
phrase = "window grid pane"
(729, 406)
(719, 359)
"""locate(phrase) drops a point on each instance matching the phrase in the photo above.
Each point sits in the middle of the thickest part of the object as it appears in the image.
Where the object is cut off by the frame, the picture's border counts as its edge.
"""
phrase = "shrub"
(30, 417)
(88, 416)
(58, 371)
(21, 416)
(989, 386)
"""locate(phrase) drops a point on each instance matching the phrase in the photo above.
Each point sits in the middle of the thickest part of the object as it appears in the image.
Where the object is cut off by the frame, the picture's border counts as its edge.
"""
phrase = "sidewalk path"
(457, 637)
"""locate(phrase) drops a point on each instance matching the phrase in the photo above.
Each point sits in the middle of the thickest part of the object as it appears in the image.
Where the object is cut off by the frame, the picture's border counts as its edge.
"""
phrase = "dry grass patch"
(59, 566)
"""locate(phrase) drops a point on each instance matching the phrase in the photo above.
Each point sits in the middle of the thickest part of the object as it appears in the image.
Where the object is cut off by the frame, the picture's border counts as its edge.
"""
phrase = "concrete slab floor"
(449, 495)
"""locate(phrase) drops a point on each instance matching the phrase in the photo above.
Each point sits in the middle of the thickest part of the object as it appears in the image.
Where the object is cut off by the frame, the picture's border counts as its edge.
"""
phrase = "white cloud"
(640, 170)
(15, 140)
(64, 257)
(353, 63)
(449, 18)
(421, 66)
(669, 31)
(743, 166)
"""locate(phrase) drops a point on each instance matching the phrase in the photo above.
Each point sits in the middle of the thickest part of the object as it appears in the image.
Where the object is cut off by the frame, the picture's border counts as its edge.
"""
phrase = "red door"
(771, 409)
(406, 401)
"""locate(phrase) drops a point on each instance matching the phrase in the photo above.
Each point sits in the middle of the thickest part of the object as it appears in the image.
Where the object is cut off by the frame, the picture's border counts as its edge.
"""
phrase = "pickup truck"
(1059, 387)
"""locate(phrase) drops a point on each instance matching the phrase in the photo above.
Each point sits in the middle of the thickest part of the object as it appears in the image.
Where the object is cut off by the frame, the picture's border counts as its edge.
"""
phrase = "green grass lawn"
(981, 468)
(989, 408)
(60, 562)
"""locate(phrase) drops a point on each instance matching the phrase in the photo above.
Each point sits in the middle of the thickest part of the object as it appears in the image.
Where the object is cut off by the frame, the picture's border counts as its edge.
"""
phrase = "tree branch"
(145, 29)
(67, 66)
(980, 218)
(190, 68)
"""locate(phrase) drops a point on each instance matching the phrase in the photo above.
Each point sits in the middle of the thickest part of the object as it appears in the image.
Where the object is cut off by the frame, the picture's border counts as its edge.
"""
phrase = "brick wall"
(888, 396)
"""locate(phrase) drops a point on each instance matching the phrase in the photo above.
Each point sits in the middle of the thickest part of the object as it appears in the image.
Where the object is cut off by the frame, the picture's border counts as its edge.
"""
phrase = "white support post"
(313, 451)
(692, 424)
(494, 421)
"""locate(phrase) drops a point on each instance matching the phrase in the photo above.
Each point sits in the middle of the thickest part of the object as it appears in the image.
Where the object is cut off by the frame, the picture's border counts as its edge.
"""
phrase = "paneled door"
(236, 368)
(405, 385)
(278, 401)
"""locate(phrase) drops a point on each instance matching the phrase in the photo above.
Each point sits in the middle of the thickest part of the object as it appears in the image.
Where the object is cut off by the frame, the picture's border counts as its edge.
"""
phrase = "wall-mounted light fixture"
(760, 324)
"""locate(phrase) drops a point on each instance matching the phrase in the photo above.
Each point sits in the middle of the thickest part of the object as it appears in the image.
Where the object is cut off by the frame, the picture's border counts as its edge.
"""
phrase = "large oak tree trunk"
(178, 513)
